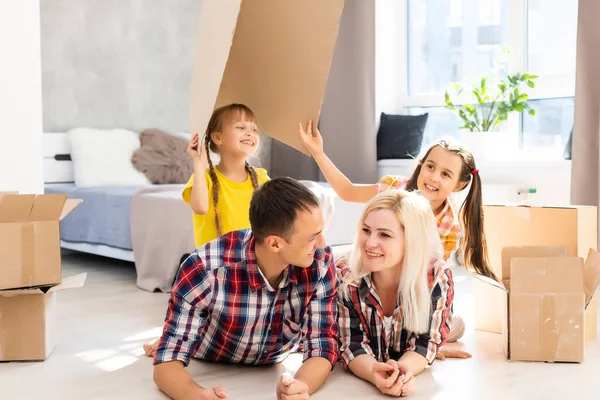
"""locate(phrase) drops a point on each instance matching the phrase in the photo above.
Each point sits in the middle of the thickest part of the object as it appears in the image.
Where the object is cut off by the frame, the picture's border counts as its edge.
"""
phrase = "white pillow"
(103, 157)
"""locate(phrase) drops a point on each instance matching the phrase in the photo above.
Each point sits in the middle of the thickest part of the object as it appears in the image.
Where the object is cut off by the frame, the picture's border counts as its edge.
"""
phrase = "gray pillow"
(162, 157)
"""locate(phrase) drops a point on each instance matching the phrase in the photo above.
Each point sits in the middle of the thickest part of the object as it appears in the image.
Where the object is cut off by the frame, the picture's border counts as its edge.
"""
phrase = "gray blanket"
(102, 218)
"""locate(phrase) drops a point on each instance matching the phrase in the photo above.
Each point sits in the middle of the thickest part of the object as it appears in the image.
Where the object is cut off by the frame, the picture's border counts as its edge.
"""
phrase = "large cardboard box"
(574, 227)
(30, 240)
(28, 325)
(273, 56)
(544, 302)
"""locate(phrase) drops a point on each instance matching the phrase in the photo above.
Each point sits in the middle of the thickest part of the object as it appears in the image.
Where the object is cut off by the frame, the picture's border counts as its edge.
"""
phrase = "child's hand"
(217, 393)
(195, 149)
(290, 388)
(311, 138)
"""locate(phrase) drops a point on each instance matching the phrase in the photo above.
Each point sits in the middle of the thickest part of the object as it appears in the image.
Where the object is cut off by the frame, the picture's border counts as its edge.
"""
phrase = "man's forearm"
(172, 378)
(314, 372)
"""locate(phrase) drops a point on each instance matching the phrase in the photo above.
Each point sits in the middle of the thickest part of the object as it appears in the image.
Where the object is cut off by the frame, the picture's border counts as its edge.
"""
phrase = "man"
(253, 296)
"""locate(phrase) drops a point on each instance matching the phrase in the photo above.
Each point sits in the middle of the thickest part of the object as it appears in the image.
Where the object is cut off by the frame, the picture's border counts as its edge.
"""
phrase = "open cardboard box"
(272, 56)
(28, 325)
(545, 296)
(30, 239)
(506, 225)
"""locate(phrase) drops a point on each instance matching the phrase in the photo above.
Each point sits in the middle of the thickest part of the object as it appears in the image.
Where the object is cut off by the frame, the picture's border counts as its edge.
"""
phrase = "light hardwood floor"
(104, 325)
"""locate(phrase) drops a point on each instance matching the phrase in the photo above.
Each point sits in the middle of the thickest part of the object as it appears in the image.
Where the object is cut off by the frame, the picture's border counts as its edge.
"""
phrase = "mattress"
(103, 217)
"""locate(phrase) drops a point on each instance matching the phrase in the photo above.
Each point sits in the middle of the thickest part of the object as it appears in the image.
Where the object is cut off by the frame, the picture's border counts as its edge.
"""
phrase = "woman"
(396, 293)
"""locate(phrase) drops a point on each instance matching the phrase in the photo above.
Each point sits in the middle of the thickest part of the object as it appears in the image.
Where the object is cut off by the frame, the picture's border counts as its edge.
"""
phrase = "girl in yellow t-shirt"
(220, 195)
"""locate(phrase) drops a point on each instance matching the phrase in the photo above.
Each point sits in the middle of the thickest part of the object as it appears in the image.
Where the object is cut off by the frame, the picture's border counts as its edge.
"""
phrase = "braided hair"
(217, 123)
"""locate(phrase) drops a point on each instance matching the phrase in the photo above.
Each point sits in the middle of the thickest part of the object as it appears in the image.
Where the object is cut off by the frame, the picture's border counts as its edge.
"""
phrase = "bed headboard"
(58, 167)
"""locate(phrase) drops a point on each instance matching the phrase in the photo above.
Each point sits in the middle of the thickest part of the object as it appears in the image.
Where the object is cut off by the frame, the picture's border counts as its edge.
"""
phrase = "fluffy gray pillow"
(162, 157)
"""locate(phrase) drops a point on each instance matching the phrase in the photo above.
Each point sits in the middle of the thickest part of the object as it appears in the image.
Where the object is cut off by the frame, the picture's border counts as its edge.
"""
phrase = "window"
(443, 41)
(550, 49)
(551, 127)
(440, 122)
(443, 31)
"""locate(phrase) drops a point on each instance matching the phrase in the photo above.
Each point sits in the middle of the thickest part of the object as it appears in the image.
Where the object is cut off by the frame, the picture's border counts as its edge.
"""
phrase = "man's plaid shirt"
(223, 309)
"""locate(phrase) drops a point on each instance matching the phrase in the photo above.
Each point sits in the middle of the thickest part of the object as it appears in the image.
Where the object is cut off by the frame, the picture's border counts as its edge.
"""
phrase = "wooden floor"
(103, 326)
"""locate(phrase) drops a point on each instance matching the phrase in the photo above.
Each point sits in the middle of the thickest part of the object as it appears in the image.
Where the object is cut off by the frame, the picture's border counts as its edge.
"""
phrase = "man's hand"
(289, 388)
(216, 393)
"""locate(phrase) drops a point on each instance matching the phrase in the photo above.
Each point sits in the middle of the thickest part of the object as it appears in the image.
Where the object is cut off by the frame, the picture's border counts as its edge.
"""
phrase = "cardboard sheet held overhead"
(273, 56)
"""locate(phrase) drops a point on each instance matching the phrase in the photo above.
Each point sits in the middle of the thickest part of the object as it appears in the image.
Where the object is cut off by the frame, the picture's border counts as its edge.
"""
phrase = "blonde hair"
(422, 244)
(220, 118)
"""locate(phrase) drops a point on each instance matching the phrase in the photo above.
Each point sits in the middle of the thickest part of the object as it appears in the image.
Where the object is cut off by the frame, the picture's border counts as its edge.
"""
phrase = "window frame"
(547, 86)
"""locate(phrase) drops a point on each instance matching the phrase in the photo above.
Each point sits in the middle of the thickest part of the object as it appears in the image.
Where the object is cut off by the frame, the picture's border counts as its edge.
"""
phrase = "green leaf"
(523, 97)
(477, 96)
(532, 112)
(502, 86)
(529, 76)
(530, 84)
(519, 107)
(447, 99)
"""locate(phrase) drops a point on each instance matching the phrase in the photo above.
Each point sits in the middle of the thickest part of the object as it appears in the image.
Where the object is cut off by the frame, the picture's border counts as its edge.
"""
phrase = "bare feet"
(444, 353)
(150, 349)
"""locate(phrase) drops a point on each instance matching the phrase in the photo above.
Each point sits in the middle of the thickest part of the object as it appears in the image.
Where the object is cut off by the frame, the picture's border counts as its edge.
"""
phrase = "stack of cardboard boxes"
(30, 273)
(545, 306)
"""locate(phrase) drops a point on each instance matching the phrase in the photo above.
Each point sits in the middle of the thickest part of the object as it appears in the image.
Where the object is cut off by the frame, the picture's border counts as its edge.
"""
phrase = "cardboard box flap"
(24, 291)
(510, 252)
(7, 192)
(72, 282)
(69, 206)
(16, 207)
(277, 62)
(591, 275)
(548, 275)
(490, 281)
(522, 205)
(47, 207)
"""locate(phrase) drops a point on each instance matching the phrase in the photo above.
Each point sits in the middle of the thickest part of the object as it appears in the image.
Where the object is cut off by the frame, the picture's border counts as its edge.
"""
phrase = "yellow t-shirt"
(233, 207)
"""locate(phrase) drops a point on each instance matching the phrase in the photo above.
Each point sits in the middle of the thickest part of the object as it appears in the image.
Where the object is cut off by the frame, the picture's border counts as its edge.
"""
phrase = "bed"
(136, 221)
(149, 225)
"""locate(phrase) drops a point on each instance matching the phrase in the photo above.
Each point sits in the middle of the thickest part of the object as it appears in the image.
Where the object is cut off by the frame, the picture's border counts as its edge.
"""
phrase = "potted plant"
(493, 102)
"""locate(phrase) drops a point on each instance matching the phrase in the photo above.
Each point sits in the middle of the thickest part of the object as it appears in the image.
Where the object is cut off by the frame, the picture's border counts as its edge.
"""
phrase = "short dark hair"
(275, 206)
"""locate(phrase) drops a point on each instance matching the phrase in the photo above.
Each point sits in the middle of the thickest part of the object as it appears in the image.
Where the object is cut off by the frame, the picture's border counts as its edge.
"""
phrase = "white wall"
(20, 97)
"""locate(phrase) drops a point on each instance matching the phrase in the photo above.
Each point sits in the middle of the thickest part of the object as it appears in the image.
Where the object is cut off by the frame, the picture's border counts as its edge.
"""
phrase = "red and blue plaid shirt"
(361, 318)
(223, 309)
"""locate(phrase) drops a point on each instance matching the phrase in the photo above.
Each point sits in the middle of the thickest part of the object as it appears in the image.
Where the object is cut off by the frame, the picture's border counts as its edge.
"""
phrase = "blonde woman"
(396, 293)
